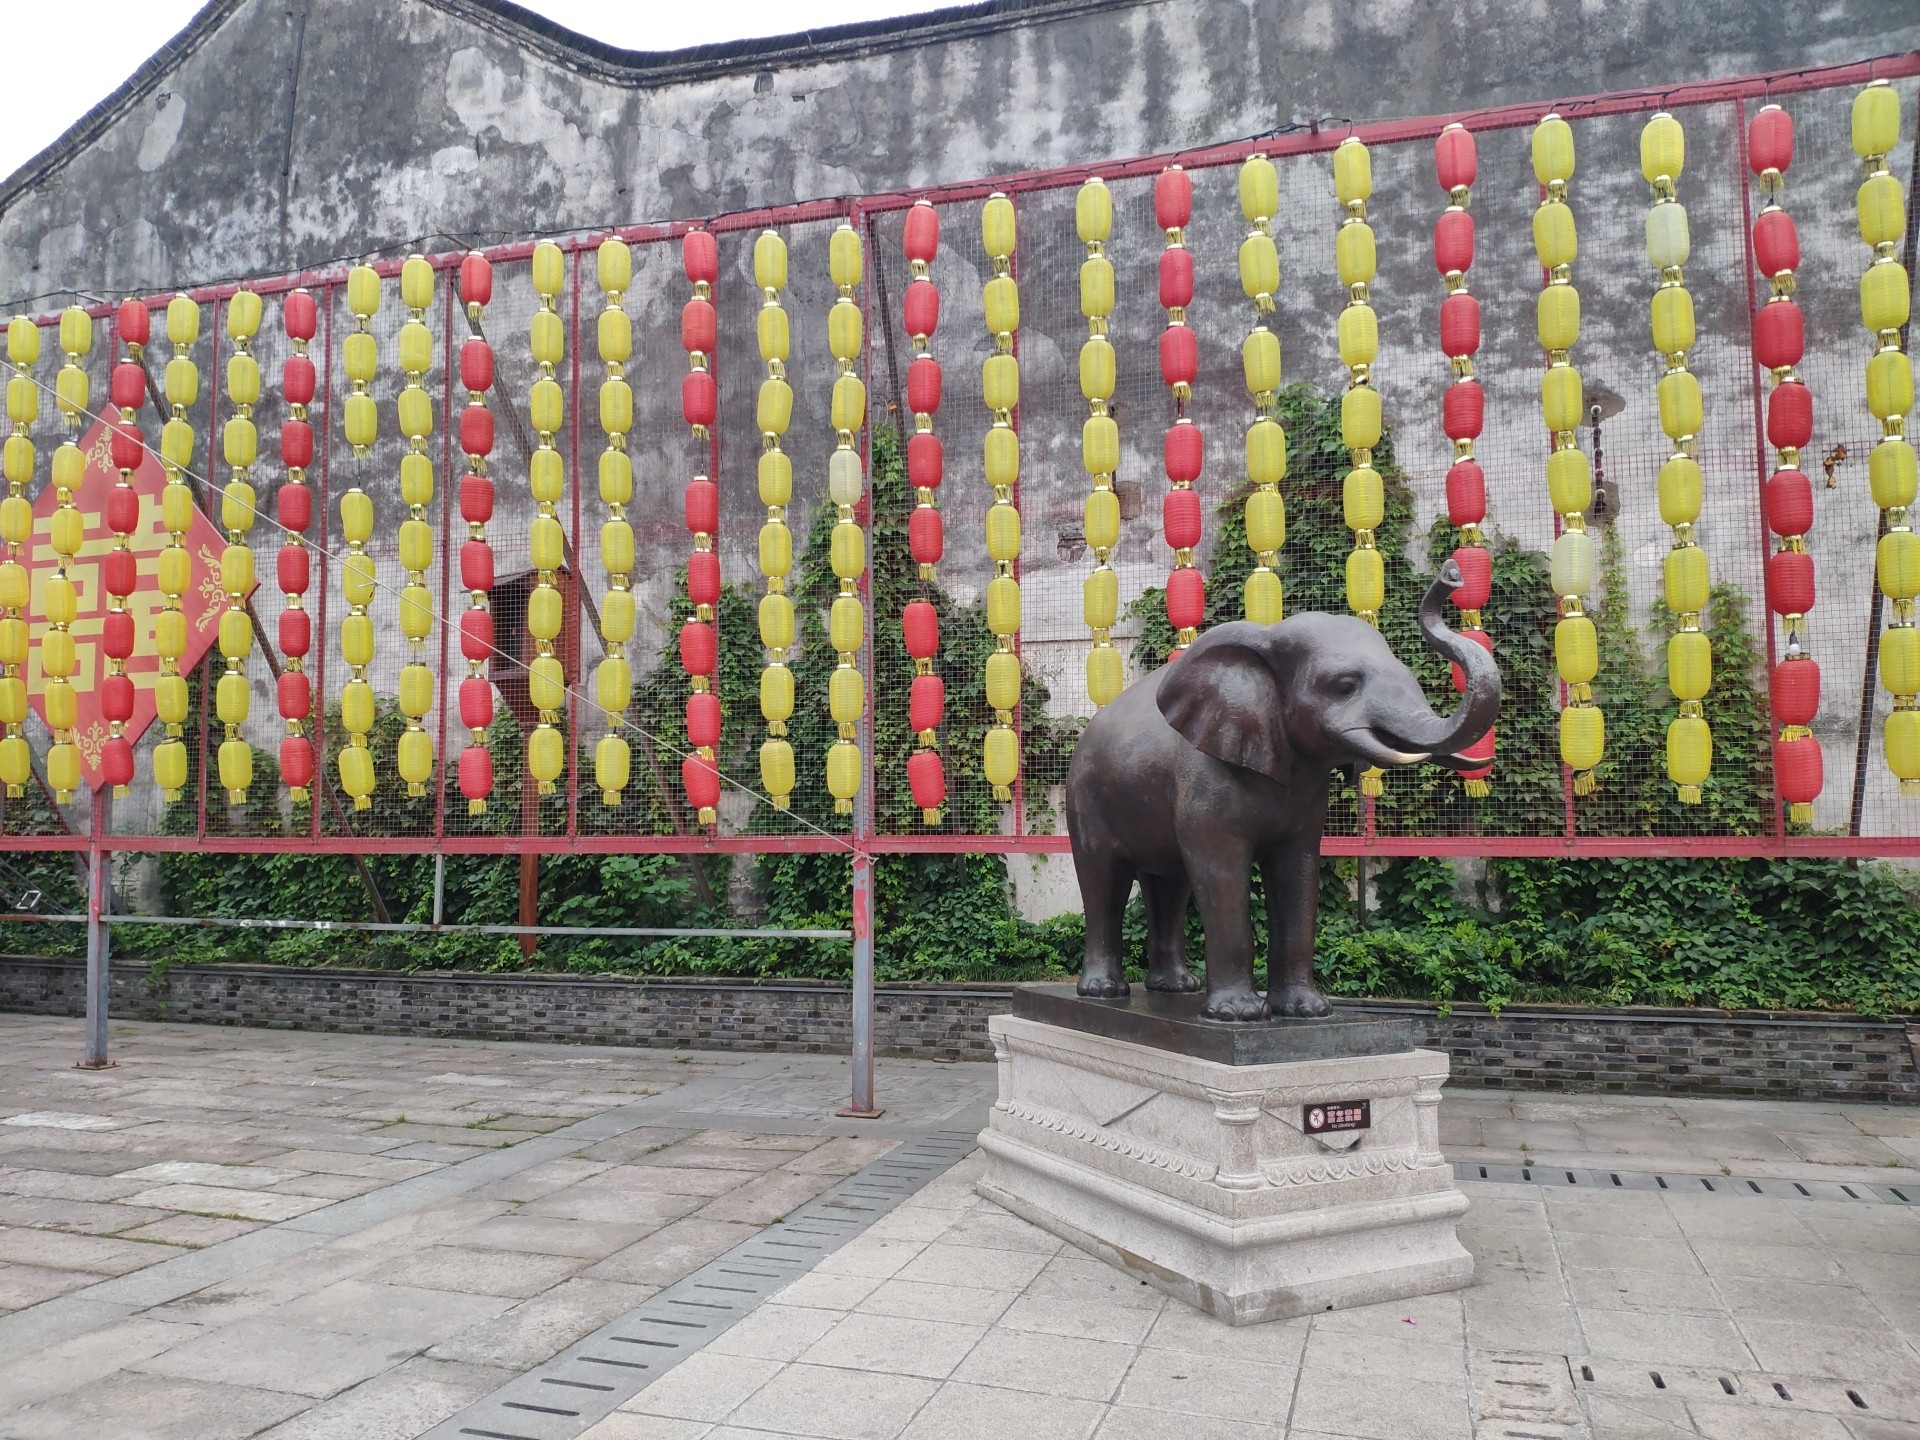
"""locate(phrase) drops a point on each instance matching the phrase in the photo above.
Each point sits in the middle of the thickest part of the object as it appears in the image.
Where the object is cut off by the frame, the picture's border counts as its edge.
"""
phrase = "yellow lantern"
(772, 415)
(1000, 378)
(613, 681)
(1093, 221)
(546, 680)
(16, 527)
(1266, 440)
(848, 548)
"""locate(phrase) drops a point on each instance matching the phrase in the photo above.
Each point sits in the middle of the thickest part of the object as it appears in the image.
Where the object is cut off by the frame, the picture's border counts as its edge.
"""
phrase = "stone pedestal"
(1200, 1176)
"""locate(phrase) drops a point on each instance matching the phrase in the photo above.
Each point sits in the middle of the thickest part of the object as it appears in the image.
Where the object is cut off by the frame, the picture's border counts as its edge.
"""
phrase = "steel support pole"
(861, 1106)
(99, 941)
(439, 887)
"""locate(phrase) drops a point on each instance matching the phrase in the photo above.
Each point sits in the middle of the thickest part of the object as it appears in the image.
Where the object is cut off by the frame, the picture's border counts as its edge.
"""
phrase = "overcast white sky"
(69, 77)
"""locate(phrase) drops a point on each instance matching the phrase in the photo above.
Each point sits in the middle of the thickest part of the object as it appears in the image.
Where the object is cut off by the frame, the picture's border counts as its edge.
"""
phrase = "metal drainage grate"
(1813, 1394)
(1766, 1188)
(586, 1382)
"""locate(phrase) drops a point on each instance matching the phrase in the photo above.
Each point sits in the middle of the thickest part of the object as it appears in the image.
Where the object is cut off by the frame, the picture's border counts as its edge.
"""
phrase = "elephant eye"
(1345, 684)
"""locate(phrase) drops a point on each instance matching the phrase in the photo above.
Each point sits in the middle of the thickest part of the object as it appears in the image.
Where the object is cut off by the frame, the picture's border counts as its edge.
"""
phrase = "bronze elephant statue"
(1222, 760)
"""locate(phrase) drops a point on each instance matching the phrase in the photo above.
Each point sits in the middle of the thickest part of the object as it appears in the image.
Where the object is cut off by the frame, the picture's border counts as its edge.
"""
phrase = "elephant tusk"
(1377, 752)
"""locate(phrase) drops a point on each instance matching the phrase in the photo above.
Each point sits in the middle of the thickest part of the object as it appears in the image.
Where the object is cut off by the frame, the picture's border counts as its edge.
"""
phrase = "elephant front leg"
(1106, 881)
(1292, 874)
(1220, 885)
(1166, 899)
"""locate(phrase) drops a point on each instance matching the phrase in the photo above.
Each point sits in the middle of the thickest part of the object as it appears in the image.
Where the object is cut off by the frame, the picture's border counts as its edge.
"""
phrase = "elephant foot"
(1236, 1005)
(1175, 979)
(1300, 1002)
(1101, 984)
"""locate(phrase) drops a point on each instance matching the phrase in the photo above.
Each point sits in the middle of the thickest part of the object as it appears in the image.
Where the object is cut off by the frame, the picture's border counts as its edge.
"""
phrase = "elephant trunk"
(1437, 735)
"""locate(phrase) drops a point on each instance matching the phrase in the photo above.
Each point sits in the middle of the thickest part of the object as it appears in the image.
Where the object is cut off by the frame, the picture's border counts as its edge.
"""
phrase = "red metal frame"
(323, 281)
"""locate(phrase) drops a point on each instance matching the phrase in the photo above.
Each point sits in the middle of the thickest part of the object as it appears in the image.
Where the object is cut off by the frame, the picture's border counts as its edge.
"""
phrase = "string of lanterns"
(300, 317)
(1266, 511)
(16, 528)
(1000, 388)
(1779, 341)
(1099, 441)
(1184, 447)
(1569, 474)
(773, 413)
(699, 405)
(546, 540)
(72, 392)
(1463, 412)
(240, 446)
(182, 389)
(1885, 300)
(613, 679)
(127, 390)
(1363, 494)
(847, 544)
(476, 555)
(926, 540)
(1689, 654)
(414, 411)
(361, 419)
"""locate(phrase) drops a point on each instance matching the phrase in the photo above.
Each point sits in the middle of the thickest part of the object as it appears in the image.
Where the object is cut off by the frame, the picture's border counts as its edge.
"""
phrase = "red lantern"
(1455, 159)
(1788, 503)
(298, 380)
(116, 760)
(126, 447)
(120, 571)
(296, 448)
(296, 632)
(1186, 598)
(1798, 769)
(1463, 410)
(1476, 566)
(926, 703)
(1185, 448)
(1790, 416)
(135, 324)
(476, 284)
(1453, 242)
(925, 460)
(1176, 277)
(1172, 198)
(927, 779)
(700, 254)
(128, 386)
(123, 509)
(1779, 335)
(1790, 582)
(698, 648)
(476, 771)
(1459, 325)
(1180, 518)
(296, 762)
(476, 703)
(1179, 354)
(1466, 493)
(703, 718)
(293, 564)
(476, 499)
(1794, 692)
(699, 327)
(923, 385)
(116, 697)
(703, 507)
(922, 240)
(699, 398)
(703, 577)
(1769, 140)
(920, 627)
(476, 634)
(476, 430)
(476, 364)
(116, 638)
(922, 308)
(295, 503)
(476, 566)
(1776, 244)
(926, 535)
(1481, 749)
(295, 695)
(702, 781)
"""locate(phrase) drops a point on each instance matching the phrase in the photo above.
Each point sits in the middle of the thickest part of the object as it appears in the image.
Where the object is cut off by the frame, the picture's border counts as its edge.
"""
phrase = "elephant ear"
(1223, 696)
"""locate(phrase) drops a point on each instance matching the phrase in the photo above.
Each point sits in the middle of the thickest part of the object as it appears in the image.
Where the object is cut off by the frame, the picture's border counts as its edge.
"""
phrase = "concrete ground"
(239, 1233)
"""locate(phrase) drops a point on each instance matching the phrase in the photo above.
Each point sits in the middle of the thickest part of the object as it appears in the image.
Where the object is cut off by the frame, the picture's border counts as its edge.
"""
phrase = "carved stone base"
(1201, 1178)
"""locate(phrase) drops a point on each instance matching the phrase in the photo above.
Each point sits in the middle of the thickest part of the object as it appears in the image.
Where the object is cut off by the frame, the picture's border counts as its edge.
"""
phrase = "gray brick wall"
(1635, 1051)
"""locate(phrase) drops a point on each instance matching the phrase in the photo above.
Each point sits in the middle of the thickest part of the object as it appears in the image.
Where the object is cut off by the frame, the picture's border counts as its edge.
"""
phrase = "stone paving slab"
(241, 1233)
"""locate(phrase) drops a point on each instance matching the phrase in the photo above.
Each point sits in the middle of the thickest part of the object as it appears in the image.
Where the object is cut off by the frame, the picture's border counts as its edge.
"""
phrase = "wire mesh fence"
(1530, 805)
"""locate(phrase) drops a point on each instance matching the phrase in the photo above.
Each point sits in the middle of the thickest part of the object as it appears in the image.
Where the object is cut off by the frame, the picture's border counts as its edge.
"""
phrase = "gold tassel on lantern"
(773, 413)
(240, 445)
(68, 530)
(613, 680)
(16, 528)
(1099, 441)
(546, 541)
(414, 756)
(1689, 655)
(1260, 358)
(1886, 293)
(361, 356)
(1363, 492)
(176, 563)
(846, 484)
(1569, 475)
(1000, 387)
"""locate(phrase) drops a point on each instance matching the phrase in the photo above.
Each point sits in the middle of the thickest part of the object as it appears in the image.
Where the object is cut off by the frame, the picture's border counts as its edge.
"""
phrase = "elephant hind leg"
(1166, 899)
(1106, 882)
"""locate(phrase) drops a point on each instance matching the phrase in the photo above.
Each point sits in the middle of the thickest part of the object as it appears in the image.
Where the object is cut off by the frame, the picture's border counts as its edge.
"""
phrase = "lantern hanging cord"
(440, 619)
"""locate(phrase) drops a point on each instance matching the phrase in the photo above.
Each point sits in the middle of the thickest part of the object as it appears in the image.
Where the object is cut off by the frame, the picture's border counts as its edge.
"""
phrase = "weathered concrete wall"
(291, 133)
